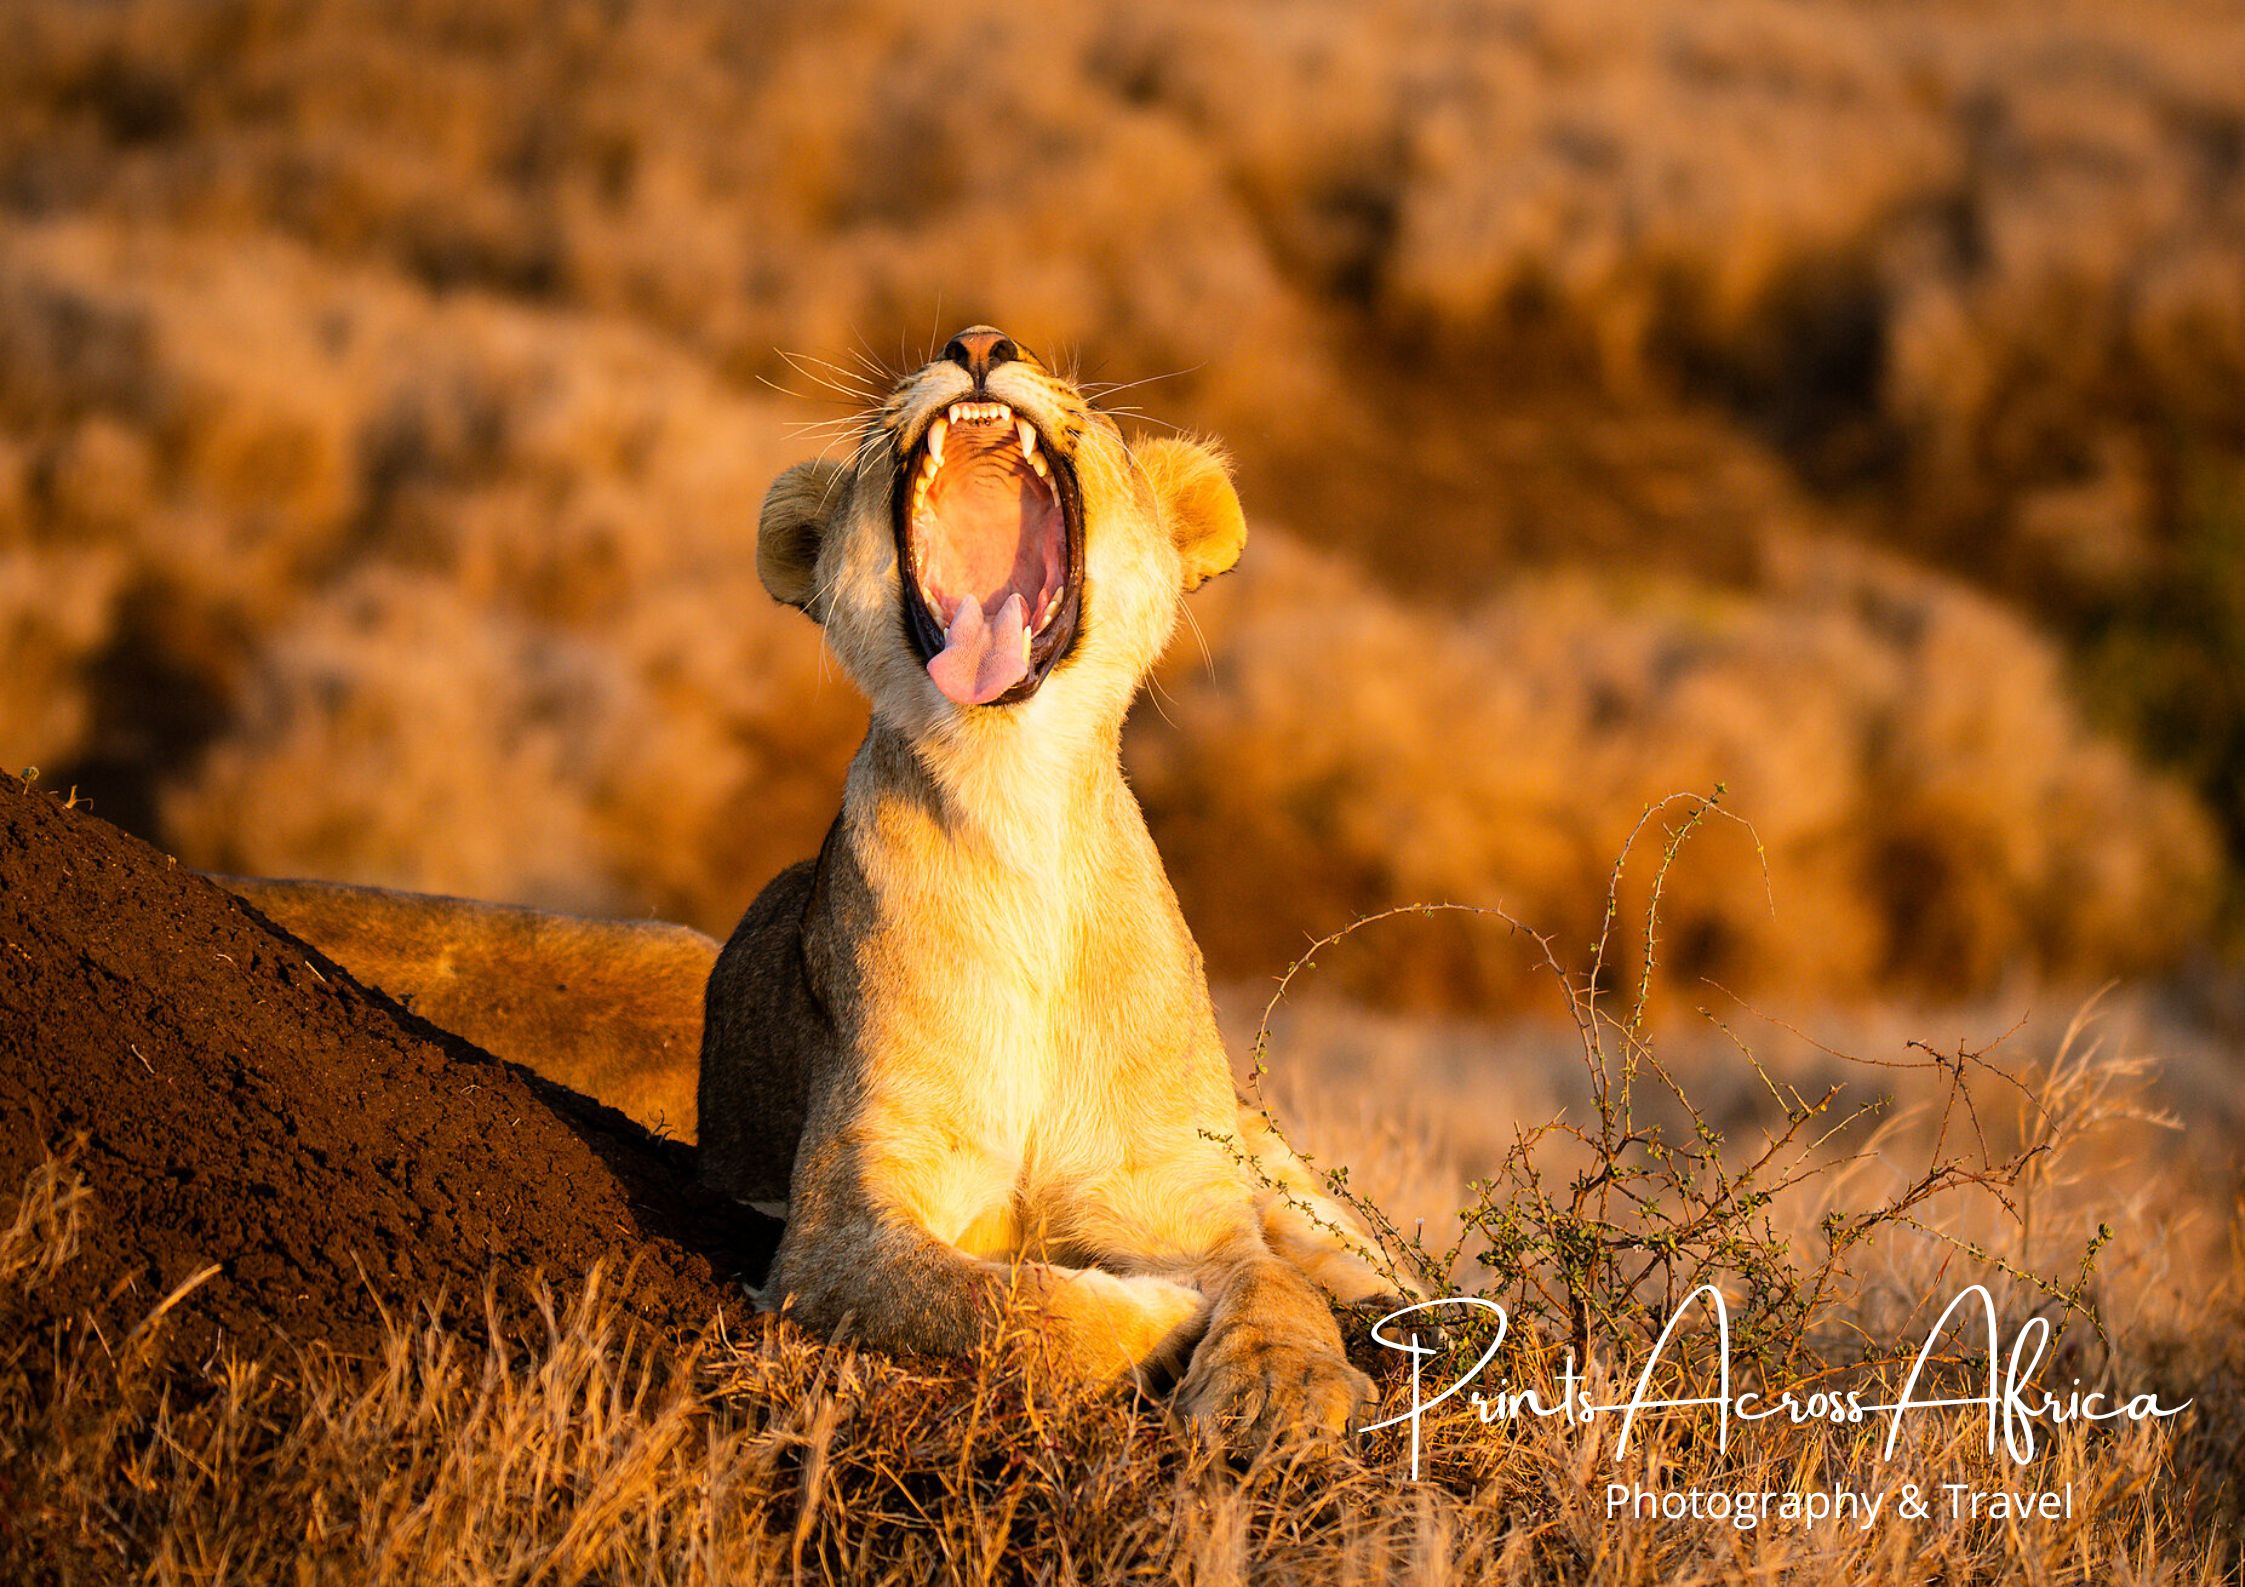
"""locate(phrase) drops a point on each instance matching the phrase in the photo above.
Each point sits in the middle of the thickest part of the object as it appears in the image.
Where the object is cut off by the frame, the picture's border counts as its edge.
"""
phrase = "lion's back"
(609, 1008)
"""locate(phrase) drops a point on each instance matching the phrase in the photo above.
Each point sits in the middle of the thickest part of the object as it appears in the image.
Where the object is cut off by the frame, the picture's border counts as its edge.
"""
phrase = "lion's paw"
(1255, 1390)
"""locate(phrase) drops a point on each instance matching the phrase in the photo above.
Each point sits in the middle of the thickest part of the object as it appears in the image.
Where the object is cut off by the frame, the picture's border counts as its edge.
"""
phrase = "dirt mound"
(243, 1103)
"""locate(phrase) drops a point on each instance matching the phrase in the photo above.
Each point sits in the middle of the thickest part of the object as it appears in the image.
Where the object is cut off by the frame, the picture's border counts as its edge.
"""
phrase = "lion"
(971, 1044)
(968, 1051)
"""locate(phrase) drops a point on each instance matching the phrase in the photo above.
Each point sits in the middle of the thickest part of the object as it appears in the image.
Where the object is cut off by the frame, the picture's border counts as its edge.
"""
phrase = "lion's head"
(993, 551)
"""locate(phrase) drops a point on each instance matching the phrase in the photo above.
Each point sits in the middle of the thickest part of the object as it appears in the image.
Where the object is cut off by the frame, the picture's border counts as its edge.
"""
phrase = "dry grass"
(579, 1454)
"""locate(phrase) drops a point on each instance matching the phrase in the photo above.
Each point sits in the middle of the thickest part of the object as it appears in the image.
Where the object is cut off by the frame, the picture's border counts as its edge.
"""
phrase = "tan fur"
(611, 1008)
(972, 1043)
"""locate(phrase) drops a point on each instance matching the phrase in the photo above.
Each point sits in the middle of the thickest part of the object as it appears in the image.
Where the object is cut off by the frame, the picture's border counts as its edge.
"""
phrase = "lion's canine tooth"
(1038, 463)
(936, 432)
(1028, 437)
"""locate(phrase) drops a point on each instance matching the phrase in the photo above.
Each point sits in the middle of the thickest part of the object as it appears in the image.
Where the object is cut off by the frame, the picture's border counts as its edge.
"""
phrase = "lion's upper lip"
(990, 545)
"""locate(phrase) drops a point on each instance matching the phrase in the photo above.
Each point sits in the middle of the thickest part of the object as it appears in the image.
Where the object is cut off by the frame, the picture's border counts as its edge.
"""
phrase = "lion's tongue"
(983, 657)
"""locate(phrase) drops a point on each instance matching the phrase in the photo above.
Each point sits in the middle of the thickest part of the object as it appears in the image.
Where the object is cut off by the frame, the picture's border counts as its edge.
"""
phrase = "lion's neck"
(1022, 866)
(1032, 803)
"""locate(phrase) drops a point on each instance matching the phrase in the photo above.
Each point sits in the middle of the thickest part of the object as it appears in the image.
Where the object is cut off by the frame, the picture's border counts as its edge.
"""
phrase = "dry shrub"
(501, 636)
(472, 594)
(56, 613)
(378, 728)
(304, 309)
(1598, 1219)
(1928, 807)
(1999, 245)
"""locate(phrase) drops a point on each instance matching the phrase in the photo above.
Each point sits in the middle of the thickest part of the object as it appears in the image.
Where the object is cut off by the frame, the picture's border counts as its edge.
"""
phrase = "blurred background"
(1840, 403)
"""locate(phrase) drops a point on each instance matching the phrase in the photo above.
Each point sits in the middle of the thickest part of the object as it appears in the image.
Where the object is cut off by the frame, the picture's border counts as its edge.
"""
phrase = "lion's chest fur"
(1030, 1022)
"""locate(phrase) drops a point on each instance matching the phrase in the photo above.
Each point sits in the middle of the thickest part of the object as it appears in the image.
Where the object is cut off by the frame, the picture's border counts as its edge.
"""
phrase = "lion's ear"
(796, 512)
(1193, 488)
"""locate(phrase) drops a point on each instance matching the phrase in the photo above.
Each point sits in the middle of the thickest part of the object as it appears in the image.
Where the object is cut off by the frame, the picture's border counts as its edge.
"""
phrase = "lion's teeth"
(979, 413)
(1037, 462)
(1028, 437)
(936, 432)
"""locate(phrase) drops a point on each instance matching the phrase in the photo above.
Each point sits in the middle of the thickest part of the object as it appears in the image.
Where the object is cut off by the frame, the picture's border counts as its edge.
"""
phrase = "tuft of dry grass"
(1931, 812)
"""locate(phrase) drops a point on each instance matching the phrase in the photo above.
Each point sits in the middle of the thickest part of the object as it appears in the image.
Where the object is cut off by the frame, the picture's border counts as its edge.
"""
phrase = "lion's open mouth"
(990, 533)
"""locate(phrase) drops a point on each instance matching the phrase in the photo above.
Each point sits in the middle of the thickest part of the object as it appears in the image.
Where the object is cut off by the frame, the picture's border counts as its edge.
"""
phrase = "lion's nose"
(980, 349)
